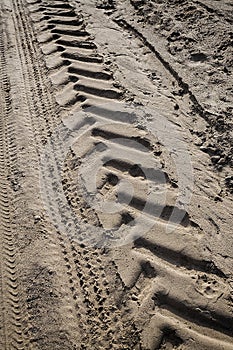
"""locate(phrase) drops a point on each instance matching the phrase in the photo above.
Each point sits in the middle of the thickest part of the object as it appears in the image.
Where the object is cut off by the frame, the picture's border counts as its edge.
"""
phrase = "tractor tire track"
(69, 51)
(218, 319)
(167, 289)
(67, 247)
(106, 137)
(41, 105)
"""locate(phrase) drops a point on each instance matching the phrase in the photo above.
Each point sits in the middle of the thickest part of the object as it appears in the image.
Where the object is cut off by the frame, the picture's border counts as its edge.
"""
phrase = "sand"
(116, 174)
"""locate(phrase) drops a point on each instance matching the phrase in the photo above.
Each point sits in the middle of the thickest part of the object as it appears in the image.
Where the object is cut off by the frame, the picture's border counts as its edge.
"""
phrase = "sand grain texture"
(89, 71)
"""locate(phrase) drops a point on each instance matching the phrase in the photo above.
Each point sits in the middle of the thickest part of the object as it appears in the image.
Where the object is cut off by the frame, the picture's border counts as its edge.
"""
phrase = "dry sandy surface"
(116, 174)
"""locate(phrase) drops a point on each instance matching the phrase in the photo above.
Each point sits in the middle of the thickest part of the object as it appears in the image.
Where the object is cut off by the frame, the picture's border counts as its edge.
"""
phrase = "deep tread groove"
(85, 267)
(204, 318)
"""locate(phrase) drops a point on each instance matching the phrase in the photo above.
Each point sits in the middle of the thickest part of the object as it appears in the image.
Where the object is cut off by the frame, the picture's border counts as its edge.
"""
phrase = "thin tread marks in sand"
(86, 271)
(12, 313)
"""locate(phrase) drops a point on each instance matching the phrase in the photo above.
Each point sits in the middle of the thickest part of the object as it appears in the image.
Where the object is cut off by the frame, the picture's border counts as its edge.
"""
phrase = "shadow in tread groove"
(205, 318)
(177, 258)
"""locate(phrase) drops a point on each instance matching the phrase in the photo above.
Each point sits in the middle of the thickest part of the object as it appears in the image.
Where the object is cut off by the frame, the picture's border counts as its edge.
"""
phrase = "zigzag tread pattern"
(12, 312)
(91, 307)
(78, 74)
